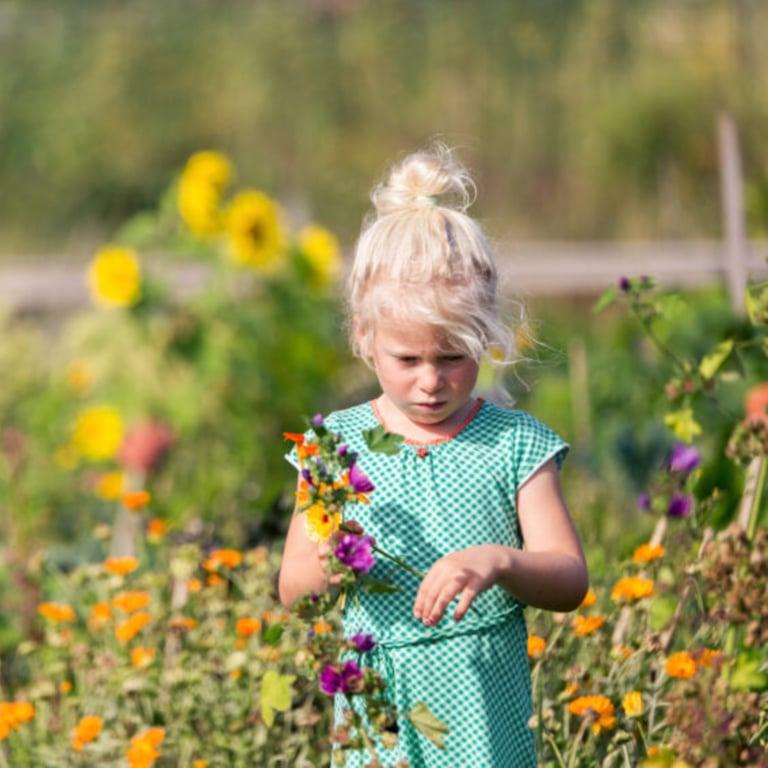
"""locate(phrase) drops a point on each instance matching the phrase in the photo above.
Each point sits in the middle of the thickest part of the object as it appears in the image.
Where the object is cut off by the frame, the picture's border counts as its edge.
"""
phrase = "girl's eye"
(407, 360)
(453, 358)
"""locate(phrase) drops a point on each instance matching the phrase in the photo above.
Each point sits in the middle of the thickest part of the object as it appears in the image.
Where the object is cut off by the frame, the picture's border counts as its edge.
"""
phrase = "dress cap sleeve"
(534, 444)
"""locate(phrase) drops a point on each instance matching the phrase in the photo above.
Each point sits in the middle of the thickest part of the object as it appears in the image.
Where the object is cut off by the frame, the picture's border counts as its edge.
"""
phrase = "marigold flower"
(632, 704)
(199, 764)
(589, 599)
(622, 650)
(141, 656)
(100, 614)
(645, 553)
(322, 627)
(214, 580)
(247, 626)
(120, 566)
(680, 665)
(143, 749)
(632, 588)
(130, 602)
(126, 630)
(255, 231)
(56, 612)
(156, 529)
(600, 707)
(136, 500)
(536, 645)
(227, 558)
(86, 731)
(708, 657)
(114, 277)
(110, 485)
(185, 623)
(321, 251)
(319, 523)
(97, 432)
(65, 686)
(585, 625)
(194, 585)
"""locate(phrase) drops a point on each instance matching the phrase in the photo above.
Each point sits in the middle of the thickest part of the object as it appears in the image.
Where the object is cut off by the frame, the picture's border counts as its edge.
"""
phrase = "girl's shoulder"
(508, 422)
(360, 416)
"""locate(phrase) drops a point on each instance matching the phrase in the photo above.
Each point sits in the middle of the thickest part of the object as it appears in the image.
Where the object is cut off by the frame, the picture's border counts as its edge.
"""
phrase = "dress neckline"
(468, 419)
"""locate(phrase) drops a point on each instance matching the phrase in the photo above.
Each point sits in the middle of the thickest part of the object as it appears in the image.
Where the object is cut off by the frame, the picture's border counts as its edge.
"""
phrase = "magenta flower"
(363, 642)
(318, 420)
(680, 505)
(307, 475)
(624, 284)
(359, 481)
(330, 680)
(348, 679)
(355, 552)
(644, 502)
(684, 459)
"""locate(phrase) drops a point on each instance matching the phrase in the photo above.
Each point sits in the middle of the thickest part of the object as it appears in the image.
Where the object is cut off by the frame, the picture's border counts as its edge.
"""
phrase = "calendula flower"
(56, 612)
(247, 626)
(645, 553)
(536, 645)
(355, 552)
(114, 277)
(255, 231)
(142, 657)
(156, 529)
(194, 585)
(585, 625)
(136, 500)
(223, 558)
(214, 580)
(110, 485)
(86, 731)
(708, 657)
(632, 588)
(65, 687)
(79, 377)
(184, 623)
(680, 665)
(13, 714)
(143, 749)
(632, 704)
(599, 707)
(100, 614)
(97, 433)
(321, 251)
(294, 437)
(201, 184)
(322, 627)
(319, 523)
(120, 566)
(128, 629)
(589, 599)
(306, 450)
(130, 602)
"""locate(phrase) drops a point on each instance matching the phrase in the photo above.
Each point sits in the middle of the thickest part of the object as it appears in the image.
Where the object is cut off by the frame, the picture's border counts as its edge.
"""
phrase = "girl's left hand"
(468, 571)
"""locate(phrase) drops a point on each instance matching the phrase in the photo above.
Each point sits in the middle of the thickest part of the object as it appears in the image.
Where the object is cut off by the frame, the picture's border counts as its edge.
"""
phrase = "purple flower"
(307, 475)
(318, 420)
(342, 450)
(355, 552)
(363, 642)
(359, 481)
(347, 680)
(684, 458)
(330, 680)
(624, 284)
(644, 502)
(680, 505)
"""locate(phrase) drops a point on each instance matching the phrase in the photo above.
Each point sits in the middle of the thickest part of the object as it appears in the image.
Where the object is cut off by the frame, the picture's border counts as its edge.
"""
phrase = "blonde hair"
(421, 257)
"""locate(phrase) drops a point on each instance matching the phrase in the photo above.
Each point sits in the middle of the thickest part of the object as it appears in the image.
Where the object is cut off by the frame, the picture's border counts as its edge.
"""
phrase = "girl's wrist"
(504, 563)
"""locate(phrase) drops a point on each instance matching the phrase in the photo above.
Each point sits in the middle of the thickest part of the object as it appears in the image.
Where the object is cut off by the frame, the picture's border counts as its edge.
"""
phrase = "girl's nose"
(431, 379)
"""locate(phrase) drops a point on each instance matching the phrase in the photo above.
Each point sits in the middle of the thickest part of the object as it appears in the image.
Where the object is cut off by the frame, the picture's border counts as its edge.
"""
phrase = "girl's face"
(421, 375)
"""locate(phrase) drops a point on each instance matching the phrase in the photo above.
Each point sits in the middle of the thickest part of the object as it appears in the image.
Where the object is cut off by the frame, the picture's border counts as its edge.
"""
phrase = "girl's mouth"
(431, 406)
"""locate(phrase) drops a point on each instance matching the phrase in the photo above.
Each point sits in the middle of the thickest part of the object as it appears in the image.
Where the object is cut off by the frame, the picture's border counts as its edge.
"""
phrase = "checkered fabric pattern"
(430, 501)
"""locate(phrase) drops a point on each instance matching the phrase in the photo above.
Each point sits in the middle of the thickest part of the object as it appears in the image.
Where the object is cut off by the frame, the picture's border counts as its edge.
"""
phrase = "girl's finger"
(447, 593)
(465, 601)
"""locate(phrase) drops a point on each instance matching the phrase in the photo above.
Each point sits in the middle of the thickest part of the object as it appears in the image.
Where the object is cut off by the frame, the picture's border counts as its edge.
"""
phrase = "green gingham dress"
(431, 500)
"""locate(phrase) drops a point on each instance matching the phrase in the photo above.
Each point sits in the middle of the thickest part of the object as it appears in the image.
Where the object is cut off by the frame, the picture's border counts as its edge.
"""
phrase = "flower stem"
(399, 562)
(754, 512)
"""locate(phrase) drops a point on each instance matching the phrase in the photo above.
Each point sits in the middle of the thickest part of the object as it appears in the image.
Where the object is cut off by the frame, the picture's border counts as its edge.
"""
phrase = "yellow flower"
(142, 657)
(632, 704)
(600, 707)
(120, 566)
(114, 277)
(585, 625)
(680, 665)
(98, 432)
(320, 249)
(86, 731)
(100, 614)
(110, 485)
(683, 424)
(128, 629)
(56, 612)
(202, 182)
(79, 377)
(536, 645)
(247, 626)
(589, 599)
(255, 231)
(321, 524)
(199, 764)
(632, 588)
(130, 602)
(647, 552)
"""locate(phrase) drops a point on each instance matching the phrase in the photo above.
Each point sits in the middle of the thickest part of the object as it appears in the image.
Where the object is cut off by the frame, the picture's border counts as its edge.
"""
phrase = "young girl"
(472, 499)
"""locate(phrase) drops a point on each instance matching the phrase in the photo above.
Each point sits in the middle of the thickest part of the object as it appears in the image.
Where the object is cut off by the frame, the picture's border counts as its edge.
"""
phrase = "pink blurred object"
(145, 446)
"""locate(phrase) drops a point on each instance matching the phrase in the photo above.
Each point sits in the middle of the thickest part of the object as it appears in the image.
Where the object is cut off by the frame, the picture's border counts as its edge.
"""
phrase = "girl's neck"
(395, 421)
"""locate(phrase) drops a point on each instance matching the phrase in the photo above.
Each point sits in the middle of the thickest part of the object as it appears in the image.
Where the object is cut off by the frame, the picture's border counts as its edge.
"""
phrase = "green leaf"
(710, 364)
(378, 586)
(747, 675)
(751, 306)
(425, 722)
(272, 634)
(660, 611)
(275, 695)
(606, 299)
(379, 440)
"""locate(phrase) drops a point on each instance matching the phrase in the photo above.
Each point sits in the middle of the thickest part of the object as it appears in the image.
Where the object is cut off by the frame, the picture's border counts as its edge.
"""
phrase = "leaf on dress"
(377, 586)
(379, 440)
(427, 724)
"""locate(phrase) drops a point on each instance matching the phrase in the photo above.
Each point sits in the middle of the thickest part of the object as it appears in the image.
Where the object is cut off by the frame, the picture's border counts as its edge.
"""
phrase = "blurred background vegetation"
(583, 119)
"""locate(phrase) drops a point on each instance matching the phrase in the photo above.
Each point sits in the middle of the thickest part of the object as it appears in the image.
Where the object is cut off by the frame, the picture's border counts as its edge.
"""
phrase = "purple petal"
(330, 680)
(318, 420)
(342, 450)
(684, 458)
(363, 642)
(680, 505)
(644, 502)
(307, 475)
(624, 283)
(355, 552)
(351, 677)
(359, 481)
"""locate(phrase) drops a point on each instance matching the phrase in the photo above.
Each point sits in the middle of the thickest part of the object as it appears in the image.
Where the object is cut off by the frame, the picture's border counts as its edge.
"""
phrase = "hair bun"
(426, 178)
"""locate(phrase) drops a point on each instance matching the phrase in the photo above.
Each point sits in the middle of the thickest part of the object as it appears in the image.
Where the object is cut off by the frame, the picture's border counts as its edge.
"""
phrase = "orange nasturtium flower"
(228, 558)
(100, 614)
(536, 645)
(680, 665)
(141, 656)
(143, 749)
(632, 588)
(599, 706)
(136, 500)
(120, 566)
(632, 704)
(294, 437)
(589, 599)
(130, 602)
(126, 630)
(645, 553)
(247, 626)
(56, 612)
(86, 731)
(585, 625)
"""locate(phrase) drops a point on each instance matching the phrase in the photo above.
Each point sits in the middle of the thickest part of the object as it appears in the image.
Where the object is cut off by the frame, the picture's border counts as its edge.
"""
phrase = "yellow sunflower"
(321, 251)
(98, 432)
(114, 277)
(202, 182)
(255, 231)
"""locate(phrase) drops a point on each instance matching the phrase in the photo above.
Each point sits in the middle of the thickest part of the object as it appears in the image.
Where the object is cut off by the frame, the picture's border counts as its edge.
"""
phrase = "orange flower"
(65, 686)
(136, 500)
(199, 764)
(585, 625)
(622, 650)
(156, 529)
(100, 614)
(270, 617)
(302, 494)
(13, 714)
(307, 449)
(143, 749)
(645, 553)
(86, 731)
(536, 645)
(599, 707)
(589, 599)
(142, 657)
(56, 612)
(194, 585)
(185, 623)
(128, 629)
(569, 690)
(228, 558)
(214, 580)
(109, 485)
(708, 657)
(322, 627)
(295, 437)
(632, 588)
(130, 602)
(680, 665)
(120, 566)
(247, 626)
